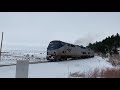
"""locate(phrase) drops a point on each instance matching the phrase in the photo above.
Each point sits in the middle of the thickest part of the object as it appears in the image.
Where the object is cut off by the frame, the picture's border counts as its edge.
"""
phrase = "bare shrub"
(111, 73)
(93, 74)
(114, 59)
(97, 73)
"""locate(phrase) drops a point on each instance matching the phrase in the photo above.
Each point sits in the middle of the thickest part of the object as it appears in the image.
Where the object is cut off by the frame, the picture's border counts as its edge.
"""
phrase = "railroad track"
(36, 62)
(29, 63)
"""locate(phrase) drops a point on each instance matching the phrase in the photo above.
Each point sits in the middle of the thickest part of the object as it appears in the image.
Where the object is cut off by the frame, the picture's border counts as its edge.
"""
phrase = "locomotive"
(58, 50)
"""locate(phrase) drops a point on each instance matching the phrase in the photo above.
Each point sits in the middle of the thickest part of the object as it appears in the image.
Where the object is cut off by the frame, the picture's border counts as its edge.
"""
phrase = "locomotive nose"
(51, 52)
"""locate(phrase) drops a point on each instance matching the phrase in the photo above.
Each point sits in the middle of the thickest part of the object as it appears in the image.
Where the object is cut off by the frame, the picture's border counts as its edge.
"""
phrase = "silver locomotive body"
(58, 50)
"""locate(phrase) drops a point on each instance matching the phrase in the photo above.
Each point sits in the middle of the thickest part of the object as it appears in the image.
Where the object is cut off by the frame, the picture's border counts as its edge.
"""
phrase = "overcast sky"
(34, 30)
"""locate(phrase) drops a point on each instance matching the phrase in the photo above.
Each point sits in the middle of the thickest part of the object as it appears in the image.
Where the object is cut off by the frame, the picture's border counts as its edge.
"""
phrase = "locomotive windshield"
(55, 45)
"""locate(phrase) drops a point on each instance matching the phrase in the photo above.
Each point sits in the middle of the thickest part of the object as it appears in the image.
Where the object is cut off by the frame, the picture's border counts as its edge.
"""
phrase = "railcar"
(59, 50)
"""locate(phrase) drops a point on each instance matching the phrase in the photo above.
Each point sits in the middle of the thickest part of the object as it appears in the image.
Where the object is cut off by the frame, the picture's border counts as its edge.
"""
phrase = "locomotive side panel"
(74, 51)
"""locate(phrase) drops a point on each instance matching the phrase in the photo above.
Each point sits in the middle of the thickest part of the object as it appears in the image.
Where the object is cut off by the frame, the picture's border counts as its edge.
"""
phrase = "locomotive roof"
(69, 43)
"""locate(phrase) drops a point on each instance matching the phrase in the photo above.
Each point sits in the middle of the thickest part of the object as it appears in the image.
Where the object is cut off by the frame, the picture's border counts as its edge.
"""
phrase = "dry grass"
(104, 73)
(114, 60)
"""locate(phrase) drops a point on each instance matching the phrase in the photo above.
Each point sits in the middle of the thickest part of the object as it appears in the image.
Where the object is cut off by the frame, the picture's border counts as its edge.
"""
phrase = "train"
(58, 50)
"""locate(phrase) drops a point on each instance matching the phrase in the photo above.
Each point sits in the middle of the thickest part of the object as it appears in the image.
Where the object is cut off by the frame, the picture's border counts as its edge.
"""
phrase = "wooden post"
(1, 46)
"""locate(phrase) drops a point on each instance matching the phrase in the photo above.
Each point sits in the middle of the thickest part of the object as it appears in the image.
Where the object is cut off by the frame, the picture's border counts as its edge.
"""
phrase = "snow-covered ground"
(57, 69)
(12, 56)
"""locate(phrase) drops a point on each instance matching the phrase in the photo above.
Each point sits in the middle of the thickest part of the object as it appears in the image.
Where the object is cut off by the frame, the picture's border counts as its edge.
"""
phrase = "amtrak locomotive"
(59, 50)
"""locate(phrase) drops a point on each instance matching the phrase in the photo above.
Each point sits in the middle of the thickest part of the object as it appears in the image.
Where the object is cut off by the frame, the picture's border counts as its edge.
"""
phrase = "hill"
(108, 45)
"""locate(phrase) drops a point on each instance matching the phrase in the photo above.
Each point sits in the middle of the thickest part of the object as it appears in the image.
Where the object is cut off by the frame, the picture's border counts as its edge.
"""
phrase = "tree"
(107, 45)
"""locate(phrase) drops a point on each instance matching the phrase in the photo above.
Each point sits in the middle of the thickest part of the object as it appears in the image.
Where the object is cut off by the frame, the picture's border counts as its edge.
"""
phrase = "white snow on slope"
(57, 69)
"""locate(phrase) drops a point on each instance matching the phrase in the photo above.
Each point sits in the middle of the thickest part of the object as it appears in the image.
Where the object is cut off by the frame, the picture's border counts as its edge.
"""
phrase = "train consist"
(59, 50)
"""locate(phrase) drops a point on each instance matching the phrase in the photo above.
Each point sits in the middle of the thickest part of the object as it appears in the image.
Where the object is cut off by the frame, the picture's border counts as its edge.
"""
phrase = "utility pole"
(1, 46)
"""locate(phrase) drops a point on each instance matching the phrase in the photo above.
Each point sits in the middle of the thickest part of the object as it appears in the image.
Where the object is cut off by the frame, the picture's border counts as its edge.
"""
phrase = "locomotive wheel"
(57, 58)
(79, 57)
(65, 58)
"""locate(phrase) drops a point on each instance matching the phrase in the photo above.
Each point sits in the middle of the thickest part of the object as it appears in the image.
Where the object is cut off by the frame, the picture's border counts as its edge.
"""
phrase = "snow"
(12, 56)
(60, 69)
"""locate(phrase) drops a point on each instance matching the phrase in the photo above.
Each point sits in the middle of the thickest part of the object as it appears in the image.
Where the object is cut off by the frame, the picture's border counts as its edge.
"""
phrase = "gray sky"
(34, 30)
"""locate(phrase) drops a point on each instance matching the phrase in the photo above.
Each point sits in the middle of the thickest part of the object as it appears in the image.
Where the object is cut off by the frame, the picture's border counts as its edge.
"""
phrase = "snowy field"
(10, 57)
(60, 69)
